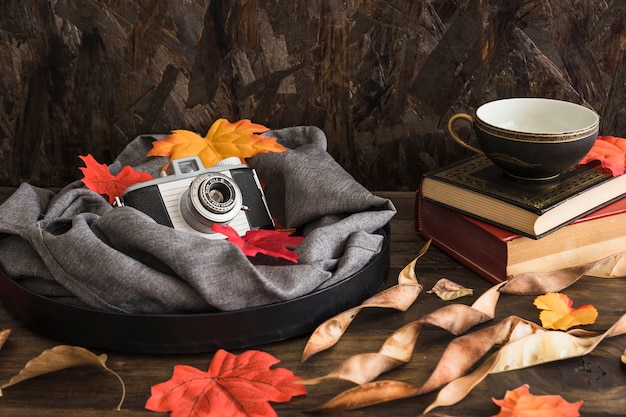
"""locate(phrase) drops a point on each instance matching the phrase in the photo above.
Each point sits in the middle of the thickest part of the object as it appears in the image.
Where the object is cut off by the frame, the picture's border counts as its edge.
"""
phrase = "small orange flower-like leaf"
(520, 402)
(610, 151)
(224, 140)
(559, 314)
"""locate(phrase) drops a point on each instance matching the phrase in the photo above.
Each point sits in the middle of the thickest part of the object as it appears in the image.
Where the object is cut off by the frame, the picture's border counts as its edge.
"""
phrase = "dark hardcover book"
(478, 188)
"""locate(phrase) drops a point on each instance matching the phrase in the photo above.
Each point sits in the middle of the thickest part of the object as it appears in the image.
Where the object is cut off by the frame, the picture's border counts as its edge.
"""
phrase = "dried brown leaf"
(523, 344)
(535, 349)
(460, 356)
(399, 297)
(4, 335)
(365, 367)
(459, 318)
(398, 348)
(401, 342)
(465, 351)
(537, 283)
(62, 357)
(329, 332)
(611, 267)
(359, 369)
(456, 390)
(449, 290)
(369, 394)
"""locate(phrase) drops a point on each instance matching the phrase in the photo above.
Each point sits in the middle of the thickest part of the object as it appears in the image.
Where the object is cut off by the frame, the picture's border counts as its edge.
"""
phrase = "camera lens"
(217, 194)
(211, 198)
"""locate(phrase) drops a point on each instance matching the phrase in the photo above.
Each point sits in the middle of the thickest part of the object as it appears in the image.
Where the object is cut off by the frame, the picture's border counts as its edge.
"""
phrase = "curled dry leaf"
(362, 368)
(460, 356)
(558, 313)
(534, 349)
(449, 290)
(398, 349)
(520, 402)
(399, 297)
(464, 352)
(4, 335)
(624, 357)
(62, 357)
(537, 283)
(611, 267)
(459, 318)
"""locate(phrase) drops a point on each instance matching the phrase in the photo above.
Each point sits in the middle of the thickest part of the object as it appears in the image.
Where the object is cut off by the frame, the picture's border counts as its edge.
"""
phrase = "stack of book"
(499, 227)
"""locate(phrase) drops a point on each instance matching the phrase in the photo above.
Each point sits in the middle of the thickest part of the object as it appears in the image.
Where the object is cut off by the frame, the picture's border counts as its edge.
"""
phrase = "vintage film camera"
(193, 198)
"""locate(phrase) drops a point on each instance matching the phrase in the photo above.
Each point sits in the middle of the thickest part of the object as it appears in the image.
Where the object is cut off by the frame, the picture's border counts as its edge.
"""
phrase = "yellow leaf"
(558, 312)
(62, 357)
(224, 139)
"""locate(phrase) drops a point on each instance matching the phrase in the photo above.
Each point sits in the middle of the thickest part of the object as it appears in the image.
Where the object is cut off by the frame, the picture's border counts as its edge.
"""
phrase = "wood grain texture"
(381, 77)
(598, 378)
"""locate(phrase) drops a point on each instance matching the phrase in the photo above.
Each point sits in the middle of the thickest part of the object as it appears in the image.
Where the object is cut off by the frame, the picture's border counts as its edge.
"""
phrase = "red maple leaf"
(98, 178)
(235, 385)
(269, 242)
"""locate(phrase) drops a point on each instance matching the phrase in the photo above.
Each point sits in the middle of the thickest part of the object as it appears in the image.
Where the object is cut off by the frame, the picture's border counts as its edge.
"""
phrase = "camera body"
(193, 198)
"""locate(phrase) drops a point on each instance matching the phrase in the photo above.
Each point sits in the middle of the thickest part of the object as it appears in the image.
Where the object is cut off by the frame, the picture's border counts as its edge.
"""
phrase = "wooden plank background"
(381, 77)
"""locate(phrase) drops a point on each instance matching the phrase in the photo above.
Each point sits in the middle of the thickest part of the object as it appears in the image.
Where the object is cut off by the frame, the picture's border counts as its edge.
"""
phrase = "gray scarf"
(75, 247)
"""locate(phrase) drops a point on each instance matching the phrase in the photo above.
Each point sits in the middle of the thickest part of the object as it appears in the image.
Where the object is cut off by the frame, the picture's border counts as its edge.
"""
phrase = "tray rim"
(186, 333)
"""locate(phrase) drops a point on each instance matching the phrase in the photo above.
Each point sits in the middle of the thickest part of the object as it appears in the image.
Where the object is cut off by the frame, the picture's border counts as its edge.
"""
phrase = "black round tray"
(192, 333)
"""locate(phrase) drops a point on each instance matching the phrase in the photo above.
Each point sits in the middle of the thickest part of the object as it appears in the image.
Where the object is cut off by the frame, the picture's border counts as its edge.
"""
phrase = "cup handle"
(456, 137)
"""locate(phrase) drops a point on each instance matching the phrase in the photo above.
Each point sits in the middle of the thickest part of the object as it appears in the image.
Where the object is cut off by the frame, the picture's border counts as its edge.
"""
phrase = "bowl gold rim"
(536, 137)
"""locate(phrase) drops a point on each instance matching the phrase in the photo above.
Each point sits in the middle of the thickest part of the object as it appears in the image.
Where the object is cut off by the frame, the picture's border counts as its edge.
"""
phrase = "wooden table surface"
(598, 378)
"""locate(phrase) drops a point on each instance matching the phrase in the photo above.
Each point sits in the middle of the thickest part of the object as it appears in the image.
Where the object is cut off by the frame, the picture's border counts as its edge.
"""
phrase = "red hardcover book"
(496, 253)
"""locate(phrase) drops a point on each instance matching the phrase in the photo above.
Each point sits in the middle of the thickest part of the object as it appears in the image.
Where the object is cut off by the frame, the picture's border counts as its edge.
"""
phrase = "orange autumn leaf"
(235, 385)
(224, 139)
(97, 178)
(610, 151)
(521, 403)
(558, 313)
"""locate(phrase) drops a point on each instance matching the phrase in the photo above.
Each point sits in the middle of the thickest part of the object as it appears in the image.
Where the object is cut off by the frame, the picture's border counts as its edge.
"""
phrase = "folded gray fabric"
(74, 246)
